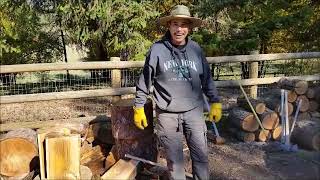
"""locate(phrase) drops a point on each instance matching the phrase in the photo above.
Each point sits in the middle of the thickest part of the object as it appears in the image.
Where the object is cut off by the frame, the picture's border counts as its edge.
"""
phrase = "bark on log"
(243, 119)
(276, 133)
(128, 138)
(269, 119)
(274, 103)
(102, 130)
(313, 106)
(261, 135)
(299, 86)
(242, 135)
(304, 103)
(276, 93)
(258, 105)
(307, 135)
(18, 152)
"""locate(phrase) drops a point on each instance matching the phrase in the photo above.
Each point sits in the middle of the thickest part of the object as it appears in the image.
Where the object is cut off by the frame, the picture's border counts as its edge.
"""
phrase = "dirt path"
(236, 160)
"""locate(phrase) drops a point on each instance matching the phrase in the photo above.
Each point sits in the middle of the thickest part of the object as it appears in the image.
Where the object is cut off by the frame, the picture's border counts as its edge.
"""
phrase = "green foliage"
(109, 27)
(22, 36)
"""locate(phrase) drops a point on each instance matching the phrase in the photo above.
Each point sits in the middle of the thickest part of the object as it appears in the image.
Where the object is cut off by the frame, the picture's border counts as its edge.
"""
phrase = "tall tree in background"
(109, 27)
(24, 36)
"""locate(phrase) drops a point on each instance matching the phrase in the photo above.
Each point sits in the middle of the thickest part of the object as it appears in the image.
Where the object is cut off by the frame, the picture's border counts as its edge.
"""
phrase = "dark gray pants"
(171, 128)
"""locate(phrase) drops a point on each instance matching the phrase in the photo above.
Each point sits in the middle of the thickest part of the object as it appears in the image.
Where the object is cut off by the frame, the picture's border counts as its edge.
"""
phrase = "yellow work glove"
(139, 117)
(215, 112)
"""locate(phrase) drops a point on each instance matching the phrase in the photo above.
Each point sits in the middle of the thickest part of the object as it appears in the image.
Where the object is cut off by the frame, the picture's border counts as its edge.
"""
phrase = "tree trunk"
(304, 103)
(18, 152)
(258, 106)
(299, 86)
(276, 133)
(261, 135)
(243, 119)
(307, 135)
(269, 119)
(128, 138)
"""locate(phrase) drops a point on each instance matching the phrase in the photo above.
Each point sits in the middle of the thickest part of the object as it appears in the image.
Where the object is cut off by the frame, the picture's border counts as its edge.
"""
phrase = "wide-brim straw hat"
(180, 12)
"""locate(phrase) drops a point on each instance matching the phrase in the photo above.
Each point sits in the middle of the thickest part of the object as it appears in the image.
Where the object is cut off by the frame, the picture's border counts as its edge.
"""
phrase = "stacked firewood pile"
(245, 127)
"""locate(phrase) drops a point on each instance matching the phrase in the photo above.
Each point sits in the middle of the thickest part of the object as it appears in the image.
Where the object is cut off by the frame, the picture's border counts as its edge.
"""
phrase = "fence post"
(115, 78)
(253, 73)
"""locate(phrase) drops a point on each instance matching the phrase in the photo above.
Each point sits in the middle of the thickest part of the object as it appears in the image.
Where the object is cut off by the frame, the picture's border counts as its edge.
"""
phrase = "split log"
(304, 103)
(18, 152)
(299, 86)
(258, 105)
(85, 172)
(261, 135)
(242, 135)
(269, 119)
(129, 138)
(306, 135)
(62, 156)
(243, 119)
(276, 133)
(274, 103)
(124, 170)
(313, 106)
(111, 159)
(304, 116)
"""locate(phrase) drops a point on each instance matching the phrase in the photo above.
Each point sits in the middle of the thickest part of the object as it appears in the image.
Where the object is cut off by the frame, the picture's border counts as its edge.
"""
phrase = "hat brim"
(195, 22)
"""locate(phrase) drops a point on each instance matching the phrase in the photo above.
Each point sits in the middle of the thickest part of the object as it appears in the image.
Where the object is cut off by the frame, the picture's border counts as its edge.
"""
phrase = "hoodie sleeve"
(145, 81)
(207, 83)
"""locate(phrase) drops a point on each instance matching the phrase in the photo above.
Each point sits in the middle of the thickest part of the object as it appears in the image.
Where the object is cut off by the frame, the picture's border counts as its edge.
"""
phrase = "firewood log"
(243, 119)
(274, 103)
(306, 135)
(242, 135)
(270, 119)
(313, 105)
(311, 93)
(304, 103)
(258, 105)
(18, 152)
(261, 135)
(304, 116)
(276, 133)
(299, 86)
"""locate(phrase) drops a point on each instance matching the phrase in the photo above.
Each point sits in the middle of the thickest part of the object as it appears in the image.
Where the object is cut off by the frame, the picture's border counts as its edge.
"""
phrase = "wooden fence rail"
(115, 65)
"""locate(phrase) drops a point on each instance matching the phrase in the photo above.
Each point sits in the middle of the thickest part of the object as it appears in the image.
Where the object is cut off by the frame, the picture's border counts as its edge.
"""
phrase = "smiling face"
(179, 29)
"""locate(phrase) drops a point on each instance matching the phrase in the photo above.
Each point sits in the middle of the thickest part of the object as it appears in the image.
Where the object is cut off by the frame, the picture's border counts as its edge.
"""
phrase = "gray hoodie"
(179, 77)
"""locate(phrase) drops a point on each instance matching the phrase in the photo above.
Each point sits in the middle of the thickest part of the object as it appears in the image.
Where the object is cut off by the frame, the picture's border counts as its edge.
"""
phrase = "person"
(178, 71)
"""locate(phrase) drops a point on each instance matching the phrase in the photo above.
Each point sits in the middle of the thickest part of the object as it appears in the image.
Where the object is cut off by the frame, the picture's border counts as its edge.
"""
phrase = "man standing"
(179, 72)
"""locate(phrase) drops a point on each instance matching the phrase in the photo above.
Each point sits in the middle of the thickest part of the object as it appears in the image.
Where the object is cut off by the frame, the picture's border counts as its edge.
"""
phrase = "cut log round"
(276, 133)
(313, 106)
(261, 135)
(307, 135)
(292, 96)
(310, 93)
(274, 103)
(270, 119)
(304, 116)
(242, 135)
(304, 103)
(243, 119)
(258, 106)
(128, 138)
(18, 152)
(299, 86)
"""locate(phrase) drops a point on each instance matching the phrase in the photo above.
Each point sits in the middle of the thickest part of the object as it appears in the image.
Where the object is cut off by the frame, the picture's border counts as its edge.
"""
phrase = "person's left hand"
(215, 112)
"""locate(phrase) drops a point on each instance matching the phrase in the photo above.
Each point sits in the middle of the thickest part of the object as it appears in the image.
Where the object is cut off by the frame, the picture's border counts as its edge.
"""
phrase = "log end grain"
(276, 133)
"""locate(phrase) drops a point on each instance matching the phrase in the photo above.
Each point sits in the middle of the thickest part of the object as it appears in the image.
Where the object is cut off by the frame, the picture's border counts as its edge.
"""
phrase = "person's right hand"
(139, 117)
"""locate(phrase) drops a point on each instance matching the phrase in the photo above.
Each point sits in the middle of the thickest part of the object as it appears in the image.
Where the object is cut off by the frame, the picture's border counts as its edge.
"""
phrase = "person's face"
(179, 29)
